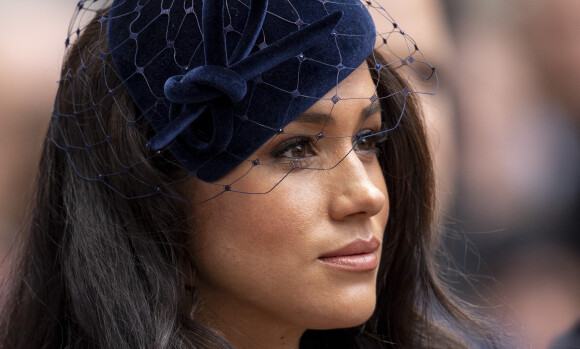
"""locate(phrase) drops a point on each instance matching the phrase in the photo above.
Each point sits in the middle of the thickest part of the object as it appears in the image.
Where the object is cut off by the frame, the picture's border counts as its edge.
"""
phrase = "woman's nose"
(359, 188)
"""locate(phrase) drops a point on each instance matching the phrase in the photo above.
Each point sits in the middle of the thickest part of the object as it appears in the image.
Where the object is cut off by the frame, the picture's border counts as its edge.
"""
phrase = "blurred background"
(505, 128)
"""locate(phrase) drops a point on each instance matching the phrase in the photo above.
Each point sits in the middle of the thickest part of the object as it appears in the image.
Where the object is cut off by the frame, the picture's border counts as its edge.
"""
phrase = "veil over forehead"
(213, 81)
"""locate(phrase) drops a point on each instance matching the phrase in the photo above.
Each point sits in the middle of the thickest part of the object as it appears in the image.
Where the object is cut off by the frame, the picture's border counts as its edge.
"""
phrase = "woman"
(217, 175)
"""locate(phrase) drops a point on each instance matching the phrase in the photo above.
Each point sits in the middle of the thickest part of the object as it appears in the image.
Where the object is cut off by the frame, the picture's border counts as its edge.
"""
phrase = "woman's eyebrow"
(319, 118)
(371, 109)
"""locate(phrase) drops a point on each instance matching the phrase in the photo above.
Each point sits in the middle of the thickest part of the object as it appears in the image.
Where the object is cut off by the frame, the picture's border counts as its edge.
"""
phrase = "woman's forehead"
(358, 87)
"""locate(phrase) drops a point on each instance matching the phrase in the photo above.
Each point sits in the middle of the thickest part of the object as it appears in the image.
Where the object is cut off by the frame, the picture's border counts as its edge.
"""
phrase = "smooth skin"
(258, 273)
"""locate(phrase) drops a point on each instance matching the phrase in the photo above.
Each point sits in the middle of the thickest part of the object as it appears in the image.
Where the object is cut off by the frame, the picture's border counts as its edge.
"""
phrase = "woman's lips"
(359, 255)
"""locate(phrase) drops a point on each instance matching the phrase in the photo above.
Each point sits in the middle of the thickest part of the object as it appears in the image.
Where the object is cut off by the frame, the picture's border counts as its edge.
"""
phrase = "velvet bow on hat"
(216, 79)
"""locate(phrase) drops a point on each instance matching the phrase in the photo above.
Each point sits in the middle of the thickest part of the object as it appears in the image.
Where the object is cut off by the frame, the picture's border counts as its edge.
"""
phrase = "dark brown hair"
(98, 270)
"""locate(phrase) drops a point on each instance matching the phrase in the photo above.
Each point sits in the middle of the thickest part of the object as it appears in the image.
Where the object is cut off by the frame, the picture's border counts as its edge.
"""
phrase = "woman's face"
(305, 255)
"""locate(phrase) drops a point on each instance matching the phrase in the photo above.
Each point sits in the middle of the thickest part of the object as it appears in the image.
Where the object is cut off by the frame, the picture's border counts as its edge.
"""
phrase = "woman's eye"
(365, 144)
(367, 140)
(295, 148)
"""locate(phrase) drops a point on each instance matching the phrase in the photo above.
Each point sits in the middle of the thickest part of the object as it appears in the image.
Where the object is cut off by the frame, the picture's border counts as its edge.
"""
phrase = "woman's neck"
(249, 329)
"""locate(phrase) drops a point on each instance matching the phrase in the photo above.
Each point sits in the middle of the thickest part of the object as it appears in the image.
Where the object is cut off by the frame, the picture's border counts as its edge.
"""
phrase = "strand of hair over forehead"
(404, 57)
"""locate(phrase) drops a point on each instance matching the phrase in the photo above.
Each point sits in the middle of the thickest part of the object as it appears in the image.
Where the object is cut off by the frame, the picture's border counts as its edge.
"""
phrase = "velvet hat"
(216, 79)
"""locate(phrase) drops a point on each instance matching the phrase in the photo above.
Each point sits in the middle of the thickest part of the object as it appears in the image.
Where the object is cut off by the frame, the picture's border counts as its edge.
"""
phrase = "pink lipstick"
(358, 255)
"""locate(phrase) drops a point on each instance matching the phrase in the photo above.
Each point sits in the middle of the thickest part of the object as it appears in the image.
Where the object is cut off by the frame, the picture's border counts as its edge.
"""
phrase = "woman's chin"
(348, 316)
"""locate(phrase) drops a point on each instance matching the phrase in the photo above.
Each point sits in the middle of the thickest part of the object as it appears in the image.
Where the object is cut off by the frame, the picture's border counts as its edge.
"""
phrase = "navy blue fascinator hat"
(216, 79)
(168, 86)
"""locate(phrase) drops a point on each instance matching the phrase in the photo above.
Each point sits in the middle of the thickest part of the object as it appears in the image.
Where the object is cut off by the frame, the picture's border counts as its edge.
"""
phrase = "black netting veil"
(106, 137)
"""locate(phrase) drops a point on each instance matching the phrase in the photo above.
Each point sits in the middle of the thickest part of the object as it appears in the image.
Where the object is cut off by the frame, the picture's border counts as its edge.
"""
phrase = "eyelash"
(307, 142)
(376, 136)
